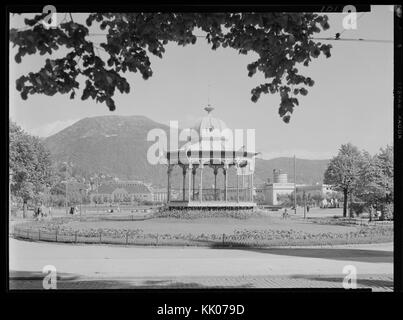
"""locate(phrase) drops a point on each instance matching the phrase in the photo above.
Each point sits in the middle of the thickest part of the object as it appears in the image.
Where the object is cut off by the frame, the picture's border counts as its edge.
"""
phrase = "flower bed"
(59, 230)
(200, 214)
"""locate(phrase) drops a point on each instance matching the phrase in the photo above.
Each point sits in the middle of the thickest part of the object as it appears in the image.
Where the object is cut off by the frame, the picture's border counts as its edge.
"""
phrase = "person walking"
(42, 210)
(36, 212)
(285, 213)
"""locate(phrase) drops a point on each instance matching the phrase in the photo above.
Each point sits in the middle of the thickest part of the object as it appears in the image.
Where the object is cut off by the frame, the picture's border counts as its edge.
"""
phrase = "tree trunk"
(24, 209)
(345, 199)
(350, 208)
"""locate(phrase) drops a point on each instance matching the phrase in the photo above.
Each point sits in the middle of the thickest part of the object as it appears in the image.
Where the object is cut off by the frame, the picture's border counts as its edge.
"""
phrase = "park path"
(96, 262)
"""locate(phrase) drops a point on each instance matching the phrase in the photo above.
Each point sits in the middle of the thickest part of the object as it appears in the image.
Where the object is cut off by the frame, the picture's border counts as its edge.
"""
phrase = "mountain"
(117, 145)
(308, 171)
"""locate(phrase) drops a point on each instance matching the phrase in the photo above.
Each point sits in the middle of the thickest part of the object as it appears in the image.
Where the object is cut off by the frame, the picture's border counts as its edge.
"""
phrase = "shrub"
(359, 207)
(387, 211)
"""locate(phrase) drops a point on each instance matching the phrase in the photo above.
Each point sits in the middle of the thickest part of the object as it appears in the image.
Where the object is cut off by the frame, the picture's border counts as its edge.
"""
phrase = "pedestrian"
(39, 212)
(36, 212)
(285, 213)
(72, 210)
(42, 210)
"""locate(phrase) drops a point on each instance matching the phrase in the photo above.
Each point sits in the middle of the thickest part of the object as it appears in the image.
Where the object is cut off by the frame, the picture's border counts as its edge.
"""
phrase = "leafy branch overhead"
(281, 40)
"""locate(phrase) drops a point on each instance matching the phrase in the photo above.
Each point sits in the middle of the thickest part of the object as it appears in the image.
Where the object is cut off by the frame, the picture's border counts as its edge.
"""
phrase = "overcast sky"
(352, 100)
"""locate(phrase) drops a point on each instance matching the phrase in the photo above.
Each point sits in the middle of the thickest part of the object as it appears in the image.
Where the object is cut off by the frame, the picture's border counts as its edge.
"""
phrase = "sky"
(351, 101)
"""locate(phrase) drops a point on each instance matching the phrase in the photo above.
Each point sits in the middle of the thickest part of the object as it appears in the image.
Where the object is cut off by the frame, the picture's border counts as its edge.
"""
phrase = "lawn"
(211, 225)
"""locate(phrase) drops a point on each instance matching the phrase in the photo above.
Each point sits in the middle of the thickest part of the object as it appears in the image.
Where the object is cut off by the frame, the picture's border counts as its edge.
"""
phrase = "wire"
(314, 38)
(358, 39)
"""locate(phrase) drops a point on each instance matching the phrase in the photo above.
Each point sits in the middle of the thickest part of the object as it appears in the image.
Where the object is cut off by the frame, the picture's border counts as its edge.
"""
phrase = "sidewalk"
(102, 266)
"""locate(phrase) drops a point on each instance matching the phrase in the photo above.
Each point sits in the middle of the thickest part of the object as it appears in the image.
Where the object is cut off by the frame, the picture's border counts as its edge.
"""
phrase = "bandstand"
(214, 149)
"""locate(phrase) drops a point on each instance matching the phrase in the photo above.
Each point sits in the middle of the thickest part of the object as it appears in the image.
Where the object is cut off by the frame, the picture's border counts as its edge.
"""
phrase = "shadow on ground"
(368, 282)
(26, 280)
(31, 275)
(340, 254)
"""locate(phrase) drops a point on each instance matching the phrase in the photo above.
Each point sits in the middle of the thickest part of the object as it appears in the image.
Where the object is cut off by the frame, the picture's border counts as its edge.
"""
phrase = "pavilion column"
(194, 181)
(183, 183)
(251, 192)
(237, 185)
(201, 183)
(243, 185)
(190, 181)
(169, 183)
(225, 183)
(249, 187)
(215, 183)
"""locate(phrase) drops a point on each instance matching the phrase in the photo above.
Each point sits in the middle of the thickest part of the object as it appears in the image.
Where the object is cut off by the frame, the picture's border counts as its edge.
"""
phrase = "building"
(214, 150)
(159, 195)
(269, 192)
(122, 191)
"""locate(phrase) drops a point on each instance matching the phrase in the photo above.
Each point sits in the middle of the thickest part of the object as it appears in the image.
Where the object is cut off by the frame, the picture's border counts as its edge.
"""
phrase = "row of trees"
(364, 178)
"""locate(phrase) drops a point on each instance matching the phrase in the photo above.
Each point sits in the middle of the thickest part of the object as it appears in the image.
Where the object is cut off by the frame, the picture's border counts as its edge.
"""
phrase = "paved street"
(96, 266)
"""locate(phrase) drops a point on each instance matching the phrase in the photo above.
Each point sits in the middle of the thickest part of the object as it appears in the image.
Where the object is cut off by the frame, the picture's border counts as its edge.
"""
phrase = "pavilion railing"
(209, 194)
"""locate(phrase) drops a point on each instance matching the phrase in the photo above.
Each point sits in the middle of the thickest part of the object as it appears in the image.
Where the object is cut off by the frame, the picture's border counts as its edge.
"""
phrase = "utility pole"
(81, 199)
(66, 190)
(10, 177)
(295, 186)
(304, 196)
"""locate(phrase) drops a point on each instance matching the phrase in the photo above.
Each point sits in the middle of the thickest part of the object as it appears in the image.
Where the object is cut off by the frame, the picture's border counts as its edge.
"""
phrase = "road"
(105, 266)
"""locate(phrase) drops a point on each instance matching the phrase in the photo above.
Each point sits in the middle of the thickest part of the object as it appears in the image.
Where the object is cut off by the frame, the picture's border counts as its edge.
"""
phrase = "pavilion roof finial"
(209, 109)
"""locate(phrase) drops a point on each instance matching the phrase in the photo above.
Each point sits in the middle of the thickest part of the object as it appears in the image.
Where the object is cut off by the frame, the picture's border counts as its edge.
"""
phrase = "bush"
(359, 207)
(387, 211)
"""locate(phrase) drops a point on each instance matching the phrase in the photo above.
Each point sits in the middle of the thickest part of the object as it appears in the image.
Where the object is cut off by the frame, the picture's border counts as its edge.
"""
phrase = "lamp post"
(9, 190)
(81, 198)
(295, 186)
(66, 193)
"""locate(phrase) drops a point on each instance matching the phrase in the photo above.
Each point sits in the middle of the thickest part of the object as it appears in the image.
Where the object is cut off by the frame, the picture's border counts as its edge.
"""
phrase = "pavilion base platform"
(210, 205)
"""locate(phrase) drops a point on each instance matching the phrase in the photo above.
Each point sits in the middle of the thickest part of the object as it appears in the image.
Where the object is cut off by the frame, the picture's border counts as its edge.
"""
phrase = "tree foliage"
(376, 179)
(282, 42)
(369, 178)
(343, 171)
(29, 163)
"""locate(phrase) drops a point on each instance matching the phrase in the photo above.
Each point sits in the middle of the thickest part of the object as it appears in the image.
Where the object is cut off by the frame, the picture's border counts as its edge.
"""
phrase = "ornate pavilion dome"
(209, 126)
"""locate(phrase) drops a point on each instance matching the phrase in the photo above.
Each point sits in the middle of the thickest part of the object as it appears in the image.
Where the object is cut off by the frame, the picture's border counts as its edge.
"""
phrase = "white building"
(268, 193)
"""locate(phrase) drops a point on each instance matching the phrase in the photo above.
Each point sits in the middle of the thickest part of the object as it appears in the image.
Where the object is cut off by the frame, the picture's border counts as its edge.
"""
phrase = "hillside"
(117, 145)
